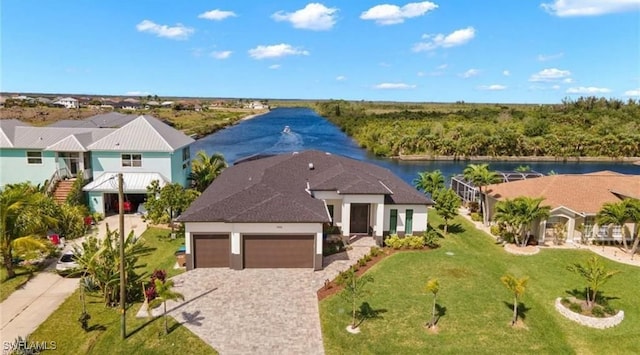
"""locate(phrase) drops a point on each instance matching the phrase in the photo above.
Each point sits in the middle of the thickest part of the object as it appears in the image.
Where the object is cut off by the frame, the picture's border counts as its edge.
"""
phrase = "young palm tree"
(517, 287)
(480, 176)
(429, 182)
(205, 169)
(518, 214)
(433, 286)
(594, 272)
(25, 214)
(164, 292)
(616, 214)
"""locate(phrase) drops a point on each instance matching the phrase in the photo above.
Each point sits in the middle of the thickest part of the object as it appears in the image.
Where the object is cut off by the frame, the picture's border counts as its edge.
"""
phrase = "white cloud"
(421, 73)
(567, 8)
(137, 93)
(494, 87)
(274, 66)
(178, 31)
(386, 14)
(635, 92)
(455, 38)
(275, 51)
(555, 87)
(550, 74)
(470, 73)
(341, 78)
(314, 16)
(442, 66)
(567, 80)
(392, 86)
(546, 57)
(588, 90)
(217, 15)
(221, 54)
(506, 73)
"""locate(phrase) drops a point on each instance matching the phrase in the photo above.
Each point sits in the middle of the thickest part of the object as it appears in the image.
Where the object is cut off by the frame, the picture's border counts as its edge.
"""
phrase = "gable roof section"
(273, 189)
(69, 144)
(145, 133)
(42, 137)
(583, 194)
(7, 131)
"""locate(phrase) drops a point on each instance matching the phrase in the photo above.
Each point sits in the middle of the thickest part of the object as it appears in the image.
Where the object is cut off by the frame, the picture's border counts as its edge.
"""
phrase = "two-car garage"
(257, 251)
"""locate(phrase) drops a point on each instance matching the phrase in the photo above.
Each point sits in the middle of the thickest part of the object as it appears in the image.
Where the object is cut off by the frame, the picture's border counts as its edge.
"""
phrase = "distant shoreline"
(252, 116)
(633, 160)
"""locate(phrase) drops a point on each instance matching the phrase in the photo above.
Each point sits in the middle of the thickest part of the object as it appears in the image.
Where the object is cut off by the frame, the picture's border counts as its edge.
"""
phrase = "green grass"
(144, 336)
(8, 286)
(478, 306)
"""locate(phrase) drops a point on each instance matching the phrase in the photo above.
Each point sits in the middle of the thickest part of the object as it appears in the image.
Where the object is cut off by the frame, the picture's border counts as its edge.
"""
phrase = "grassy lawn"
(145, 336)
(477, 305)
(23, 274)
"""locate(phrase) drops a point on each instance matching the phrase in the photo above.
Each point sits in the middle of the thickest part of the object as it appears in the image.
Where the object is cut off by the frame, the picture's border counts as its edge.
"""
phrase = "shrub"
(375, 251)
(430, 238)
(609, 310)
(575, 307)
(413, 242)
(475, 216)
(362, 262)
(367, 257)
(394, 242)
(597, 311)
(495, 230)
(97, 216)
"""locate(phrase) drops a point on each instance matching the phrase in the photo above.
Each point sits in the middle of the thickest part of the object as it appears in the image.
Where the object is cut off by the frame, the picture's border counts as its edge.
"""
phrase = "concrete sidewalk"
(25, 309)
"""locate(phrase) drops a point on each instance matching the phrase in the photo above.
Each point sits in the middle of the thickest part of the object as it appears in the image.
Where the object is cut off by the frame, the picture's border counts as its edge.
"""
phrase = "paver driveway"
(252, 311)
(258, 311)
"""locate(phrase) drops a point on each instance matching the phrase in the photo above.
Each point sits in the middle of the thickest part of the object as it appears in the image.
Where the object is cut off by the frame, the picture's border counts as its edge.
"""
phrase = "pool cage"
(468, 192)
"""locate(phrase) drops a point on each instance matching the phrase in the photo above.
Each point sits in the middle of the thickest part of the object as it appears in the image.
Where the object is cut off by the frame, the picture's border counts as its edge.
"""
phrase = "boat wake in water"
(287, 142)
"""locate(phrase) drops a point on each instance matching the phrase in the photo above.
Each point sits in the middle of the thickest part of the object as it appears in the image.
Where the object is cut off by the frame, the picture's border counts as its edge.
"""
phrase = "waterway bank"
(634, 160)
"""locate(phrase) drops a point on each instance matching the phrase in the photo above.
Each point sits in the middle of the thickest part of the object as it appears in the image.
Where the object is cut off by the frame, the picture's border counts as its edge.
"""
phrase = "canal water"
(307, 130)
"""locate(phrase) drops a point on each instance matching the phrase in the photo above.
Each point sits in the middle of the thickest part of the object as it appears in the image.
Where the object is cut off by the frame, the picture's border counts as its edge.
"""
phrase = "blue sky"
(511, 51)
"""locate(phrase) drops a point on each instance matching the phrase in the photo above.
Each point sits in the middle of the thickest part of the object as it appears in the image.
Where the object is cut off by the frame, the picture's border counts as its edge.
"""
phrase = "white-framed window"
(588, 225)
(131, 160)
(617, 230)
(34, 157)
(186, 154)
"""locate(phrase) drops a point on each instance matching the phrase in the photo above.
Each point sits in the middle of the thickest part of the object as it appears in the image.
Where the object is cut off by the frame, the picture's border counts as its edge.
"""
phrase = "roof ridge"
(146, 119)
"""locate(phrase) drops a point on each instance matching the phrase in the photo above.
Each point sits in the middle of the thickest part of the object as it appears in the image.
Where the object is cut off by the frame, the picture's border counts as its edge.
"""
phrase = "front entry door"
(359, 218)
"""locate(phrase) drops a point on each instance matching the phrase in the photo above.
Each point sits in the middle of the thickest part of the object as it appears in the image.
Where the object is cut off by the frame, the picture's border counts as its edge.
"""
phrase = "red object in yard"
(126, 205)
(88, 221)
(55, 239)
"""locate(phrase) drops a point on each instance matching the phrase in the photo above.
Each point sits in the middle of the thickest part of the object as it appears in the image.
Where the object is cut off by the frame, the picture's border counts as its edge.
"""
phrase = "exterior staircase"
(62, 190)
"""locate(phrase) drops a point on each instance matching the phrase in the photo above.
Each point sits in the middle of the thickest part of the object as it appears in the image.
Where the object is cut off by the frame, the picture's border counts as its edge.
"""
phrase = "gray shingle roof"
(145, 133)
(273, 189)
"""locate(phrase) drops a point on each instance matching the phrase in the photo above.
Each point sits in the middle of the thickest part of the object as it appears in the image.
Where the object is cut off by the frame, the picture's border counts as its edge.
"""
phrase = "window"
(186, 154)
(132, 160)
(588, 226)
(617, 230)
(408, 225)
(34, 157)
(393, 222)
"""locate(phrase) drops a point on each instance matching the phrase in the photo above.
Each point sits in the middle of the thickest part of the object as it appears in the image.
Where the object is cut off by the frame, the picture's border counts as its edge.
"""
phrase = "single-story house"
(575, 199)
(270, 212)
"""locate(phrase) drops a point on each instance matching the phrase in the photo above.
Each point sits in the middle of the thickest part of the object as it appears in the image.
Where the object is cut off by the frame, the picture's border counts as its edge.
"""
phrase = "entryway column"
(317, 260)
(571, 226)
(379, 226)
(346, 218)
(542, 229)
(236, 256)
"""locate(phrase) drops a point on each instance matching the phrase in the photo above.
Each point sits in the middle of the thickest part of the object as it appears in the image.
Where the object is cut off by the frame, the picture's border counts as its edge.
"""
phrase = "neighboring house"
(270, 212)
(143, 148)
(67, 102)
(151, 104)
(574, 200)
(257, 105)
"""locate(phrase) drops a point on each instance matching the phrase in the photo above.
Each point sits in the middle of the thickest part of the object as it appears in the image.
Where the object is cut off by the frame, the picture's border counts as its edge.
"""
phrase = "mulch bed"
(332, 287)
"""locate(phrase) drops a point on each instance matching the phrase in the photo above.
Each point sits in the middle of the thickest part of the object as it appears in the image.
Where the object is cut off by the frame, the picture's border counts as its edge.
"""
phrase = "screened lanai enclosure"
(468, 192)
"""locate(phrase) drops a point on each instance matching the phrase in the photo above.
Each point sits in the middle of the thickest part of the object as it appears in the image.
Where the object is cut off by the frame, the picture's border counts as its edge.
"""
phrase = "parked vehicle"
(67, 263)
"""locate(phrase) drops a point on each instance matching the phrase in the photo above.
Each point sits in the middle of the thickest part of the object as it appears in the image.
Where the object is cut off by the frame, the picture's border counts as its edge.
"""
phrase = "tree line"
(585, 127)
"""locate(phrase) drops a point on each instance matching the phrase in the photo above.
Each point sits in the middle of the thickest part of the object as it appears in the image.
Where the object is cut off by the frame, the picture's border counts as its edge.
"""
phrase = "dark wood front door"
(211, 250)
(359, 218)
(278, 251)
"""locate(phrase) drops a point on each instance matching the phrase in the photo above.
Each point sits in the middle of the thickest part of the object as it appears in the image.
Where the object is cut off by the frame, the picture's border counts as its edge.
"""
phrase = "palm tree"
(594, 272)
(25, 214)
(433, 286)
(164, 293)
(480, 175)
(205, 169)
(519, 213)
(429, 182)
(616, 214)
(633, 208)
(517, 287)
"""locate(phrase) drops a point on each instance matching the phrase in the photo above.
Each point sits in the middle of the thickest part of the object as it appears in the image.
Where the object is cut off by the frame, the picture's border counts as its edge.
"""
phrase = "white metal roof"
(133, 182)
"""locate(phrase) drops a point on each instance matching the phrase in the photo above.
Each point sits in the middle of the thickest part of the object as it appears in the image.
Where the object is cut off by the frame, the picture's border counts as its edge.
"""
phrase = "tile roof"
(585, 193)
(274, 189)
(145, 133)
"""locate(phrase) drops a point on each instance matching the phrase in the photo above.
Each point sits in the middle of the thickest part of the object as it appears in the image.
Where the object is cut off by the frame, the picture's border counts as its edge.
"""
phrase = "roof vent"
(311, 167)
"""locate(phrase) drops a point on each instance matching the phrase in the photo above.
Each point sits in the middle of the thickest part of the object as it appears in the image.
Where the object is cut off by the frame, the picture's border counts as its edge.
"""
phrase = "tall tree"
(517, 288)
(429, 182)
(164, 293)
(25, 214)
(167, 202)
(616, 214)
(205, 169)
(447, 205)
(518, 214)
(480, 176)
(595, 274)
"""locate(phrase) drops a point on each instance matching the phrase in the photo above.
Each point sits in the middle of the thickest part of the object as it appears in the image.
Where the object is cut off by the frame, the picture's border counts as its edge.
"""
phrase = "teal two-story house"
(143, 148)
